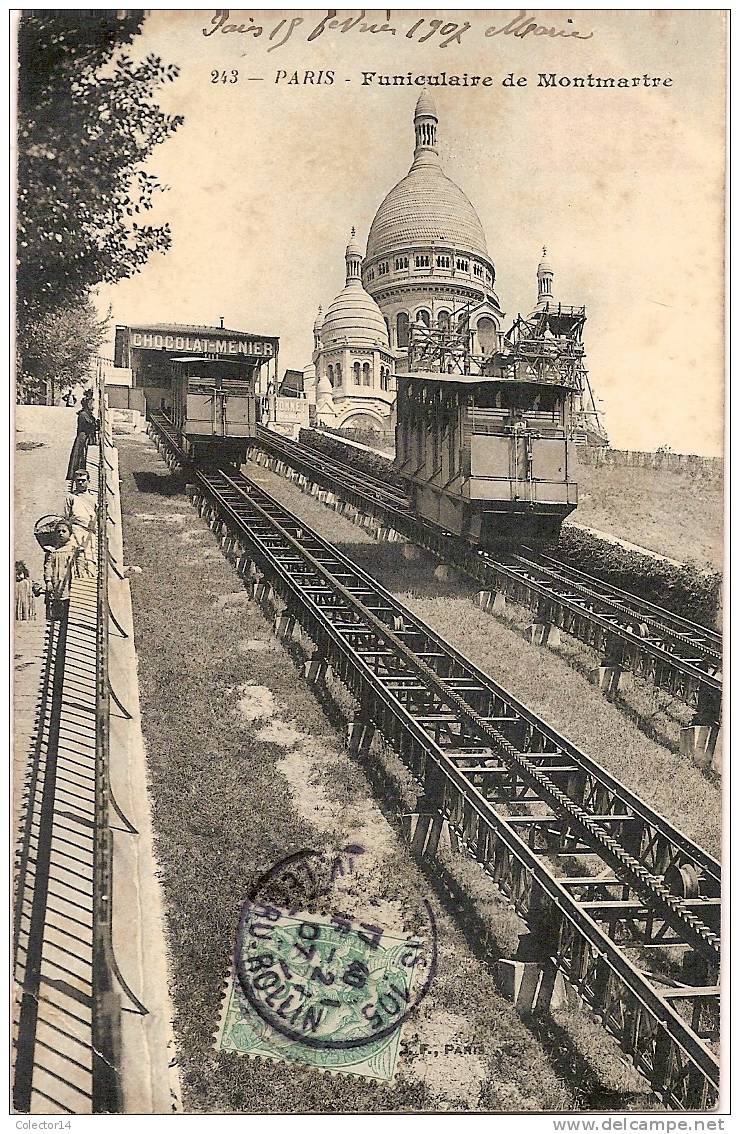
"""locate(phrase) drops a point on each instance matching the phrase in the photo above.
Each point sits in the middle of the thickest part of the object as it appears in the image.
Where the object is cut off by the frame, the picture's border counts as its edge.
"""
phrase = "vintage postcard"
(369, 559)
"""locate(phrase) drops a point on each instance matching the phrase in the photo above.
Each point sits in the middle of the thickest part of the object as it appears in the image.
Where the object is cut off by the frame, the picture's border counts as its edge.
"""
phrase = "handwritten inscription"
(422, 30)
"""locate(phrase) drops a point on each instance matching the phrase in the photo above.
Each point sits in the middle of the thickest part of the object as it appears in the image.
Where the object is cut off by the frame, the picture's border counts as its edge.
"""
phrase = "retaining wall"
(711, 468)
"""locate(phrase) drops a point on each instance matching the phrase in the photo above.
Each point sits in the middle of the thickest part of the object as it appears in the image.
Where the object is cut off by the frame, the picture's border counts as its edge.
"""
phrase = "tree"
(59, 351)
(87, 123)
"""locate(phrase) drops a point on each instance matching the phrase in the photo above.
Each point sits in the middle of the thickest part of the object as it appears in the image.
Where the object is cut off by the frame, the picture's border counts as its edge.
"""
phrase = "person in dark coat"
(87, 428)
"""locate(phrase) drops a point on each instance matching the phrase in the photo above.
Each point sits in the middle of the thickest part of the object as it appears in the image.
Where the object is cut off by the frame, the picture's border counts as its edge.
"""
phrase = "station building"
(144, 350)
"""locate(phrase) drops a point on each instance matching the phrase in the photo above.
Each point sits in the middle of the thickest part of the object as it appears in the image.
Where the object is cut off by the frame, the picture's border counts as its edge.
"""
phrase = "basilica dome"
(354, 316)
(426, 206)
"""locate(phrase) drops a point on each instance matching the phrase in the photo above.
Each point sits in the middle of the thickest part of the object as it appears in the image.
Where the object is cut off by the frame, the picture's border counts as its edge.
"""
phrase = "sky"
(624, 186)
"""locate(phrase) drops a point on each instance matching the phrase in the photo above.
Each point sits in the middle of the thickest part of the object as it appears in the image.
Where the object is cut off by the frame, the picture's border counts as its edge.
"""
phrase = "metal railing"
(106, 1085)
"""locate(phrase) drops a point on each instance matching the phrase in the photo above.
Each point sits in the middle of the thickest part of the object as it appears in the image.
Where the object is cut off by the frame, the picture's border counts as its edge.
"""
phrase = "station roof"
(292, 383)
(209, 360)
(195, 329)
(454, 379)
(478, 379)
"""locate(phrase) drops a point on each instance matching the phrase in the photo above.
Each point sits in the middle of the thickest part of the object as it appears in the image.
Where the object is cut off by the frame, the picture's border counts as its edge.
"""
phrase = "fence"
(106, 1086)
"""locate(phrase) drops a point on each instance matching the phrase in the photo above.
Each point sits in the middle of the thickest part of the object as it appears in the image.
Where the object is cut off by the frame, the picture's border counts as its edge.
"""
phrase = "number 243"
(224, 76)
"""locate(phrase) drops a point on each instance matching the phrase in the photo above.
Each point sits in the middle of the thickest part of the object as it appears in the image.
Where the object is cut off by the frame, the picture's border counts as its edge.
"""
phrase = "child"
(60, 563)
(25, 593)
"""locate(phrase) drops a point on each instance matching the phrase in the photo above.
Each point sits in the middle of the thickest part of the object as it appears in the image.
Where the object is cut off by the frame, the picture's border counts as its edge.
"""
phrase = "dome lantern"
(545, 276)
(353, 257)
(425, 128)
(317, 328)
(354, 317)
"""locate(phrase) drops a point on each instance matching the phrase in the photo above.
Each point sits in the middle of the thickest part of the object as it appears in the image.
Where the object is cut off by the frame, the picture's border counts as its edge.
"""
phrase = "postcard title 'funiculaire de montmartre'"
(543, 79)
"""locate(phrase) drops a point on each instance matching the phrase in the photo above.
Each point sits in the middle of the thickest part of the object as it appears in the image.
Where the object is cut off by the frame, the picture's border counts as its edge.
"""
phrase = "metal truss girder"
(681, 1068)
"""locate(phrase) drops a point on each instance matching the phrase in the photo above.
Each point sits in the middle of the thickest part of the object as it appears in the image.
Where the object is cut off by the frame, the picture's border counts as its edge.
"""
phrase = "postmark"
(315, 978)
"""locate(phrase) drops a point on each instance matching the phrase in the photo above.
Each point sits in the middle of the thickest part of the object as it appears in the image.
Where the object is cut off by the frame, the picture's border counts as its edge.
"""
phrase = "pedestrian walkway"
(86, 1038)
(54, 764)
(54, 872)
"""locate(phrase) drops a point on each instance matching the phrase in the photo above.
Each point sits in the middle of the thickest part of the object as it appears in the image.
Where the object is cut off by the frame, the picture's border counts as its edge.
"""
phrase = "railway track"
(679, 656)
(618, 899)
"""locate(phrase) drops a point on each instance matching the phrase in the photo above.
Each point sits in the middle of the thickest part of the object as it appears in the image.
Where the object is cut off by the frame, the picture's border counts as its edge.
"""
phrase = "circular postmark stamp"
(318, 974)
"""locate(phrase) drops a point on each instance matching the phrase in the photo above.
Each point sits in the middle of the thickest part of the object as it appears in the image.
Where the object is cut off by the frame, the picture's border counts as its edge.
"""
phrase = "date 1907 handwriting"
(422, 30)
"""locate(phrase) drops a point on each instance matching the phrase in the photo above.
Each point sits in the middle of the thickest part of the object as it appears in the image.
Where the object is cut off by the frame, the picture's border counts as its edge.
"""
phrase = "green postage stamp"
(325, 990)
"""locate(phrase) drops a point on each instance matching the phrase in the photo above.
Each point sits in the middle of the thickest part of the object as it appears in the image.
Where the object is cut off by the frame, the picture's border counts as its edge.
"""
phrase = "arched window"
(443, 320)
(486, 329)
(424, 317)
(356, 374)
(330, 372)
(366, 373)
(339, 374)
(387, 326)
(402, 329)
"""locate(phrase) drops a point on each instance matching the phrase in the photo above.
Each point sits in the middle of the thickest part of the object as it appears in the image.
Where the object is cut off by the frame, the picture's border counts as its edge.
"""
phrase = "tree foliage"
(59, 350)
(87, 123)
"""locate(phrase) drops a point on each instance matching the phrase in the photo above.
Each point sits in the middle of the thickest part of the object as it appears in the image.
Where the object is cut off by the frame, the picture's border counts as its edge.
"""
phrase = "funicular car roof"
(201, 358)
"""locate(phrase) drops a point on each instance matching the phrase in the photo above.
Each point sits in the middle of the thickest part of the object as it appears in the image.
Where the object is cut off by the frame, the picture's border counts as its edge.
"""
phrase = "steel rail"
(611, 630)
(695, 633)
(681, 1067)
(395, 495)
(367, 491)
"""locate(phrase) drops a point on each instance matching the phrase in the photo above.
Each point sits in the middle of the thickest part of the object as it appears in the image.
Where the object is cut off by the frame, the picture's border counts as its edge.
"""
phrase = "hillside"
(671, 513)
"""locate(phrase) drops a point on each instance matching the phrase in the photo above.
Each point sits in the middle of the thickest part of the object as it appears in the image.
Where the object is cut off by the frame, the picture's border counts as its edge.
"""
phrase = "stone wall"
(708, 468)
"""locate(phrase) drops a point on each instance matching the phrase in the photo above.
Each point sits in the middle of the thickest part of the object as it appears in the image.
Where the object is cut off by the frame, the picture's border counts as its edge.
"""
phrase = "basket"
(45, 531)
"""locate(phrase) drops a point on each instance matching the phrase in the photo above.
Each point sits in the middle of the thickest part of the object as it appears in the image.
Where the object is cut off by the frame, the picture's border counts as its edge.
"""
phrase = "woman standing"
(87, 428)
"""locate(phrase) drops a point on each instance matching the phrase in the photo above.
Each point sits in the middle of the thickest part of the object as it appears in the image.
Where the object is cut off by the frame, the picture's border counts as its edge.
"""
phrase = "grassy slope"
(228, 802)
(671, 513)
(565, 699)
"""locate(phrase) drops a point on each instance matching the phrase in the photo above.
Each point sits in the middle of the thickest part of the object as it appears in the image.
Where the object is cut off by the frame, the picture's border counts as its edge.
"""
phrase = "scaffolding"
(545, 348)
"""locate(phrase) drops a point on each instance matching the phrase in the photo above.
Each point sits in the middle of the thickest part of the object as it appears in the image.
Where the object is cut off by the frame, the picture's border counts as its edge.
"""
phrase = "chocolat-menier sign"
(196, 342)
